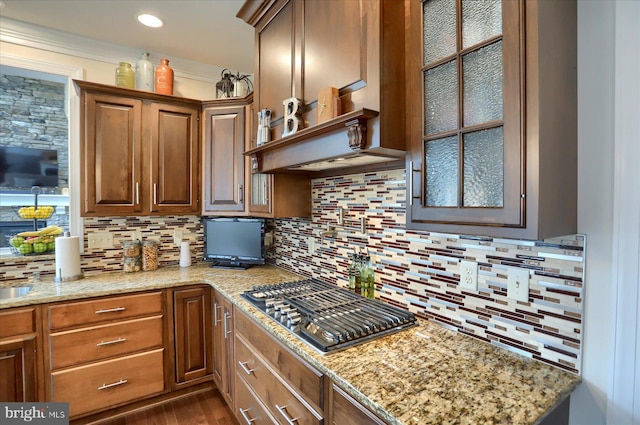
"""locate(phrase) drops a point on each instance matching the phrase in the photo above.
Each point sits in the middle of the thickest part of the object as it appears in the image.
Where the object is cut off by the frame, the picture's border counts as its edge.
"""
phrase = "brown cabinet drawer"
(104, 309)
(18, 321)
(101, 342)
(301, 376)
(249, 409)
(348, 411)
(277, 396)
(109, 383)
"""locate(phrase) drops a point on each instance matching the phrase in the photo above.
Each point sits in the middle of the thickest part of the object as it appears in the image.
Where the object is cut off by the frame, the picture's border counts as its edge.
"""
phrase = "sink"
(8, 293)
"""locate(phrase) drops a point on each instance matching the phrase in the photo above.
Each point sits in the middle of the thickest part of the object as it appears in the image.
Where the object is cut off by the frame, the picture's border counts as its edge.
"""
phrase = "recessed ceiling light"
(150, 21)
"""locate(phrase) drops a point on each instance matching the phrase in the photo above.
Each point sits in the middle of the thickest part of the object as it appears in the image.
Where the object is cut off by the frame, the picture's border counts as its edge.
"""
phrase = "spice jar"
(149, 255)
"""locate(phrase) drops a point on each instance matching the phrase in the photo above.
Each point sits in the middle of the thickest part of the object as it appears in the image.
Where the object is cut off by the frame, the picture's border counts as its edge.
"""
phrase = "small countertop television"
(234, 242)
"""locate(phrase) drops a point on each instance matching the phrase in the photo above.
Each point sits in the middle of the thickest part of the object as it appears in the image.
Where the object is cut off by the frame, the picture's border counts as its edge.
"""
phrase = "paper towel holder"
(58, 276)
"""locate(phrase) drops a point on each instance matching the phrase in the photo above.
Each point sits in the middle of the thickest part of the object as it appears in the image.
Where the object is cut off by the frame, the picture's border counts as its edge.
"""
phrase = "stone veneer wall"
(32, 114)
(420, 271)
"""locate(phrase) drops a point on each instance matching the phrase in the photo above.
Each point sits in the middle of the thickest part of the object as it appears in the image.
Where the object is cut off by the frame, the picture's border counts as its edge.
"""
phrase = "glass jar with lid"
(149, 255)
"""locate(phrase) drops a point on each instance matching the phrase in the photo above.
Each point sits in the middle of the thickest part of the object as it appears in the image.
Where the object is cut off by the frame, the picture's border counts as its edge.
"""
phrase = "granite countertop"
(423, 375)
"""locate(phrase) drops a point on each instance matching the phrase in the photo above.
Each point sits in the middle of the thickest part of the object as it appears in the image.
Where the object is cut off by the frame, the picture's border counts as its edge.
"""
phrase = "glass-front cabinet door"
(260, 193)
(465, 122)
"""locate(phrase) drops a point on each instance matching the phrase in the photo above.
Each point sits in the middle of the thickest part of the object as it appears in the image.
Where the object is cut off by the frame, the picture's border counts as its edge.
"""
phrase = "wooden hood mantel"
(338, 143)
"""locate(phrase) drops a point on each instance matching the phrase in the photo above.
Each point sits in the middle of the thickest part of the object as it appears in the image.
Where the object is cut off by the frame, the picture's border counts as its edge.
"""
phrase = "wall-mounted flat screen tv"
(234, 242)
(23, 168)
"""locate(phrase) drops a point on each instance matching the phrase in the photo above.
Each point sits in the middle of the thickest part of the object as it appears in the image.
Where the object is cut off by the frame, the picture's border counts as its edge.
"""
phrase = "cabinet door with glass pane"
(465, 101)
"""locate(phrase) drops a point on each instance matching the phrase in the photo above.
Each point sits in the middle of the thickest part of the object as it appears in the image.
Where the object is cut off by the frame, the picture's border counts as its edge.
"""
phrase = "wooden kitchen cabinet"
(491, 107)
(345, 410)
(139, 152)
(271, 381)
(192, 334)
(105, 352)
(355, 46)
(229, 186)
(20, 354)
(223, 365)
(224, 166)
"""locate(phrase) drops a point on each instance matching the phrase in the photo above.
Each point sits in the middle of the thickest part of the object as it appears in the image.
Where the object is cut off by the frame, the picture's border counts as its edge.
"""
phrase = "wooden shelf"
(341, 122)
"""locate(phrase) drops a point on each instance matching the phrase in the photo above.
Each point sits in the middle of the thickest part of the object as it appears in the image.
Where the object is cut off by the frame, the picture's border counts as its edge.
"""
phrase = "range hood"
(347, 141)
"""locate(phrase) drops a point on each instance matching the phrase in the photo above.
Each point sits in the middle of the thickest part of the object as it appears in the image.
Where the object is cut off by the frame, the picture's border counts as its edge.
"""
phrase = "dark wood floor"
(205, 408)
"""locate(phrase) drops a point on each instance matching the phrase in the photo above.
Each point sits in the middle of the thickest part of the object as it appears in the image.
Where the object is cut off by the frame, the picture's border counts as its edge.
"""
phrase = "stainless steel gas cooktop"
(325, 316)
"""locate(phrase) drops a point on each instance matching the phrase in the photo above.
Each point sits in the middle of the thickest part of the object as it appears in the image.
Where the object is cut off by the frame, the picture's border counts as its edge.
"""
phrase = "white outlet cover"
(518, 284)
(469, 275)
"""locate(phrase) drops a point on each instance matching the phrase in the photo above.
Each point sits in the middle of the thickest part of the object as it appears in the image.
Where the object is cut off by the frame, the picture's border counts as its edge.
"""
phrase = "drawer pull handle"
(243, 412)
(283, 412)
(215, 314)
(115, 384)
(227, 329)
(115, 341)
(110, 310)
(243, 365)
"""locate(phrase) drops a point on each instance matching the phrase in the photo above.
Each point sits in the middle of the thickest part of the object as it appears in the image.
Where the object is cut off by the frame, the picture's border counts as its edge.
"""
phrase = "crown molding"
(35, 36)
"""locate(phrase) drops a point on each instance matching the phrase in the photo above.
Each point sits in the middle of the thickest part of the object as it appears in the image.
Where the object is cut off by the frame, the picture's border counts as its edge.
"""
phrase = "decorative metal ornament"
(224, 87)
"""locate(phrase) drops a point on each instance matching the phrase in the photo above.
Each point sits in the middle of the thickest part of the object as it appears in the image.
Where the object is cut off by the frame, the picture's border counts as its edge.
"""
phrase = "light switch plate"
(100, 240)
(311, 242)
(469, 275)
(518, 284)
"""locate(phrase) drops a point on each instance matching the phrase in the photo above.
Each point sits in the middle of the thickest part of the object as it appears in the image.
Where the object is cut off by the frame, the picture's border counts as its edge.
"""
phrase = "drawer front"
(104, 309)
(275, 395)
(109, 383)
(105, 341)
(305, 379)
(17, 321)
(249, 410)
(348, 411)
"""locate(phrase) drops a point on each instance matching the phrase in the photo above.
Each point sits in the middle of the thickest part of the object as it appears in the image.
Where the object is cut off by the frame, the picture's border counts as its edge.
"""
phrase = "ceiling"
(205, 31)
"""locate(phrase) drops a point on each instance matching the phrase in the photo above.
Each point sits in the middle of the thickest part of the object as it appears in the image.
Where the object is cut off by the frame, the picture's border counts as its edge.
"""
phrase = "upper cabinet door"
(356, 47)
(174, 159)
(139, 152)
(224, 171)
(474, 93)
(111, 155)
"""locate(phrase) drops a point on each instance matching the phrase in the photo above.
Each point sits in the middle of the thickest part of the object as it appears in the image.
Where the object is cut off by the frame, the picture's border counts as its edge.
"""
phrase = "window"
(40, 144)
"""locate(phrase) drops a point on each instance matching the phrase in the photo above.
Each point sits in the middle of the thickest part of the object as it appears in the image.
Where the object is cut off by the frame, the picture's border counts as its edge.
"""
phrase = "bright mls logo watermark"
(34, 413)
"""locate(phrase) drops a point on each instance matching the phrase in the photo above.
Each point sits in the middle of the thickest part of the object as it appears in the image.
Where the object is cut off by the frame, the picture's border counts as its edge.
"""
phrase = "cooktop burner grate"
(326, 316)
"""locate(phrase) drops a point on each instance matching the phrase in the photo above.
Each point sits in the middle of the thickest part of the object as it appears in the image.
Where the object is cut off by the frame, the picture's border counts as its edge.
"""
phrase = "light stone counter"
(423, 375)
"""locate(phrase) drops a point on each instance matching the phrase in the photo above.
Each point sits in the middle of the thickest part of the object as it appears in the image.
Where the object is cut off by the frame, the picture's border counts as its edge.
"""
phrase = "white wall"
(608, 197)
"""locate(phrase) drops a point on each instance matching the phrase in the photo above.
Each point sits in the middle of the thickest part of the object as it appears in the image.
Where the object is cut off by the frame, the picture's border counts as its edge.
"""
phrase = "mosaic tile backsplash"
(94, 261)
(419, 271)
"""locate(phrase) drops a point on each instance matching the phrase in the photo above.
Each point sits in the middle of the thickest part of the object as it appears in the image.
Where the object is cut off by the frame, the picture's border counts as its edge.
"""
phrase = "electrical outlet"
(311, 243)
(137, 234)
(177, 236)
(100, 240)
(469, 275)
(518, 284)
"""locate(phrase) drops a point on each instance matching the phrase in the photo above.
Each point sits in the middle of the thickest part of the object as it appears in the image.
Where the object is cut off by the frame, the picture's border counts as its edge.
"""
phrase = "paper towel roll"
(67, 258)
(185, 254)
